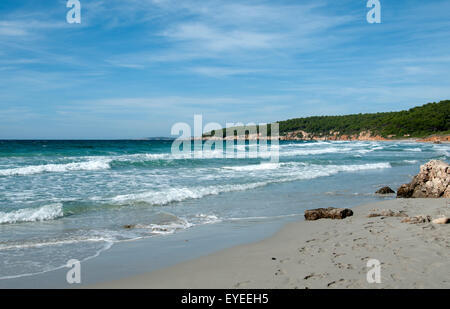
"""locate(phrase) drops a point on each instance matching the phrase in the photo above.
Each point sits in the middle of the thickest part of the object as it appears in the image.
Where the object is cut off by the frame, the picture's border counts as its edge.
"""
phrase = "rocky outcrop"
(433, 181)
(385, 190)
(301, 135)
(327, 213)
(405, 191)
(437, 139)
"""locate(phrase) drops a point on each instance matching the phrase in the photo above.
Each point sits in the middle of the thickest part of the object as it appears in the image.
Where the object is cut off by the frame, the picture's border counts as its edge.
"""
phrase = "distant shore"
(292, 136)
(325, 254)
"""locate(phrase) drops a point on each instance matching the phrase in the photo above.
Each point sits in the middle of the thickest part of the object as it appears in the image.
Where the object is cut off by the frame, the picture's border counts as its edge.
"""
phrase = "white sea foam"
(292, 171)
(305, 152)
(178, 224)
(168, 228)
(413, 149)
(180, 194)
(410, 161)
(207, 219)
(242, 150)
(47, 243)
(47, 212)
(254, 167)
(93, 165)
(364, 151)
(360, 167)
(442, 149)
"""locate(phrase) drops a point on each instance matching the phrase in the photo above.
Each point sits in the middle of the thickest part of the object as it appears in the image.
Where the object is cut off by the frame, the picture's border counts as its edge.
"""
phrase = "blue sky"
(133, 68)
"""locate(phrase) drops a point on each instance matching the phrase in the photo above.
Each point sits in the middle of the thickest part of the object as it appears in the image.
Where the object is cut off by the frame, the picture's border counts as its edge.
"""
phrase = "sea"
(63, 200)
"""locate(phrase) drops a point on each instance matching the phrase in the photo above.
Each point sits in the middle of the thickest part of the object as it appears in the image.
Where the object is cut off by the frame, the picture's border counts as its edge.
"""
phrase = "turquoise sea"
(62, 200)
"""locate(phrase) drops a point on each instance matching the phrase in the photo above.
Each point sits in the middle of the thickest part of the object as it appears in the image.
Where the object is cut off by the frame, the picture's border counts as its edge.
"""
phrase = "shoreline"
(445, 139)
(324, 254)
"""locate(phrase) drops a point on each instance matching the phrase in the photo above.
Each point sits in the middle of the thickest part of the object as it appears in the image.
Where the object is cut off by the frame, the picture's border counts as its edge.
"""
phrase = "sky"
(134, 68)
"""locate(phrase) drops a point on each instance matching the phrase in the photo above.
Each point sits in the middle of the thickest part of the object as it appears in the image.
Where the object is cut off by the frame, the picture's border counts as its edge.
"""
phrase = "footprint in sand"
(240, 284)
(334, 282)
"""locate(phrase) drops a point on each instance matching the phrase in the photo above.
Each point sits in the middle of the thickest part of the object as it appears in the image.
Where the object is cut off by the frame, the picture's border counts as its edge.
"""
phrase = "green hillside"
(431, 118)
(425, 120)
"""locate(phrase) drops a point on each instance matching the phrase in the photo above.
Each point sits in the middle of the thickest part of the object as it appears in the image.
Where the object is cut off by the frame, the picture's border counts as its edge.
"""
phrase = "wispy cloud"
(235, 31)
(141, 65)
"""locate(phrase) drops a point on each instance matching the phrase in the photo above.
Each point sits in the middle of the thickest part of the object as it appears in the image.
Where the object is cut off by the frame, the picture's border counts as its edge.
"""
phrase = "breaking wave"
(94, 165)
(300, 171)
(44, 213)
(254, 167)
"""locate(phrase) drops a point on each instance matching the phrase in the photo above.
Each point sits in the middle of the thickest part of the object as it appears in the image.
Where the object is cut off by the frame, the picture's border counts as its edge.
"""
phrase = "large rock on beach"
(327, 213)
(433, 181)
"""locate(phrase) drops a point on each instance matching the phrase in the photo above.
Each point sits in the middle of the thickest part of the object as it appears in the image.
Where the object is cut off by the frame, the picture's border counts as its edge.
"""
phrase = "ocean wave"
(177, 224)
(413, 149)
(180, 194)
(93, 165)
(293, 172)
(254, 167)
(307, 144)
(443, 150)
(305, 152)
(44, 213)
(207, 219)
(242, 151)
(361, 167)
(165, 229)
(411, 161)
(47, 243)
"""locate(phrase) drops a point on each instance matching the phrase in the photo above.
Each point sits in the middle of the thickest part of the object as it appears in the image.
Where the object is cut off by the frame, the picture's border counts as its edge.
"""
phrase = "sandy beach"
(325, 254)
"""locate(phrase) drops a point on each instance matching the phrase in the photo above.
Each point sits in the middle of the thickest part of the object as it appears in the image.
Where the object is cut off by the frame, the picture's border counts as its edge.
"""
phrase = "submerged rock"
(327, 213)
(433, 181)
(385, 190)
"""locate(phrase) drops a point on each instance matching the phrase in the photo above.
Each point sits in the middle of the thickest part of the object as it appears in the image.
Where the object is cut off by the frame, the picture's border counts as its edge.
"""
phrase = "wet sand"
(325, 254)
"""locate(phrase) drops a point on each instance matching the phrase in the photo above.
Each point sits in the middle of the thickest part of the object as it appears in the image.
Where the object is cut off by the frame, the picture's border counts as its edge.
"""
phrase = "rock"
(385, 190)
(387, 213)
(129, 226)
(328, 213)
(443, 220)
(417, 219)
(405, 191)
(433, 181)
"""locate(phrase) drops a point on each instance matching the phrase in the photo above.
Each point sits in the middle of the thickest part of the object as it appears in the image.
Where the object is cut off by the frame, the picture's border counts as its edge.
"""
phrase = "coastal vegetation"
(431, 118)
(421, 121)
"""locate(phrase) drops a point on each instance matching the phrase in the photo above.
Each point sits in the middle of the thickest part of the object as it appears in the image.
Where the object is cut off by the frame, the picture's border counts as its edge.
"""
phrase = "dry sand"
(325, 254)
